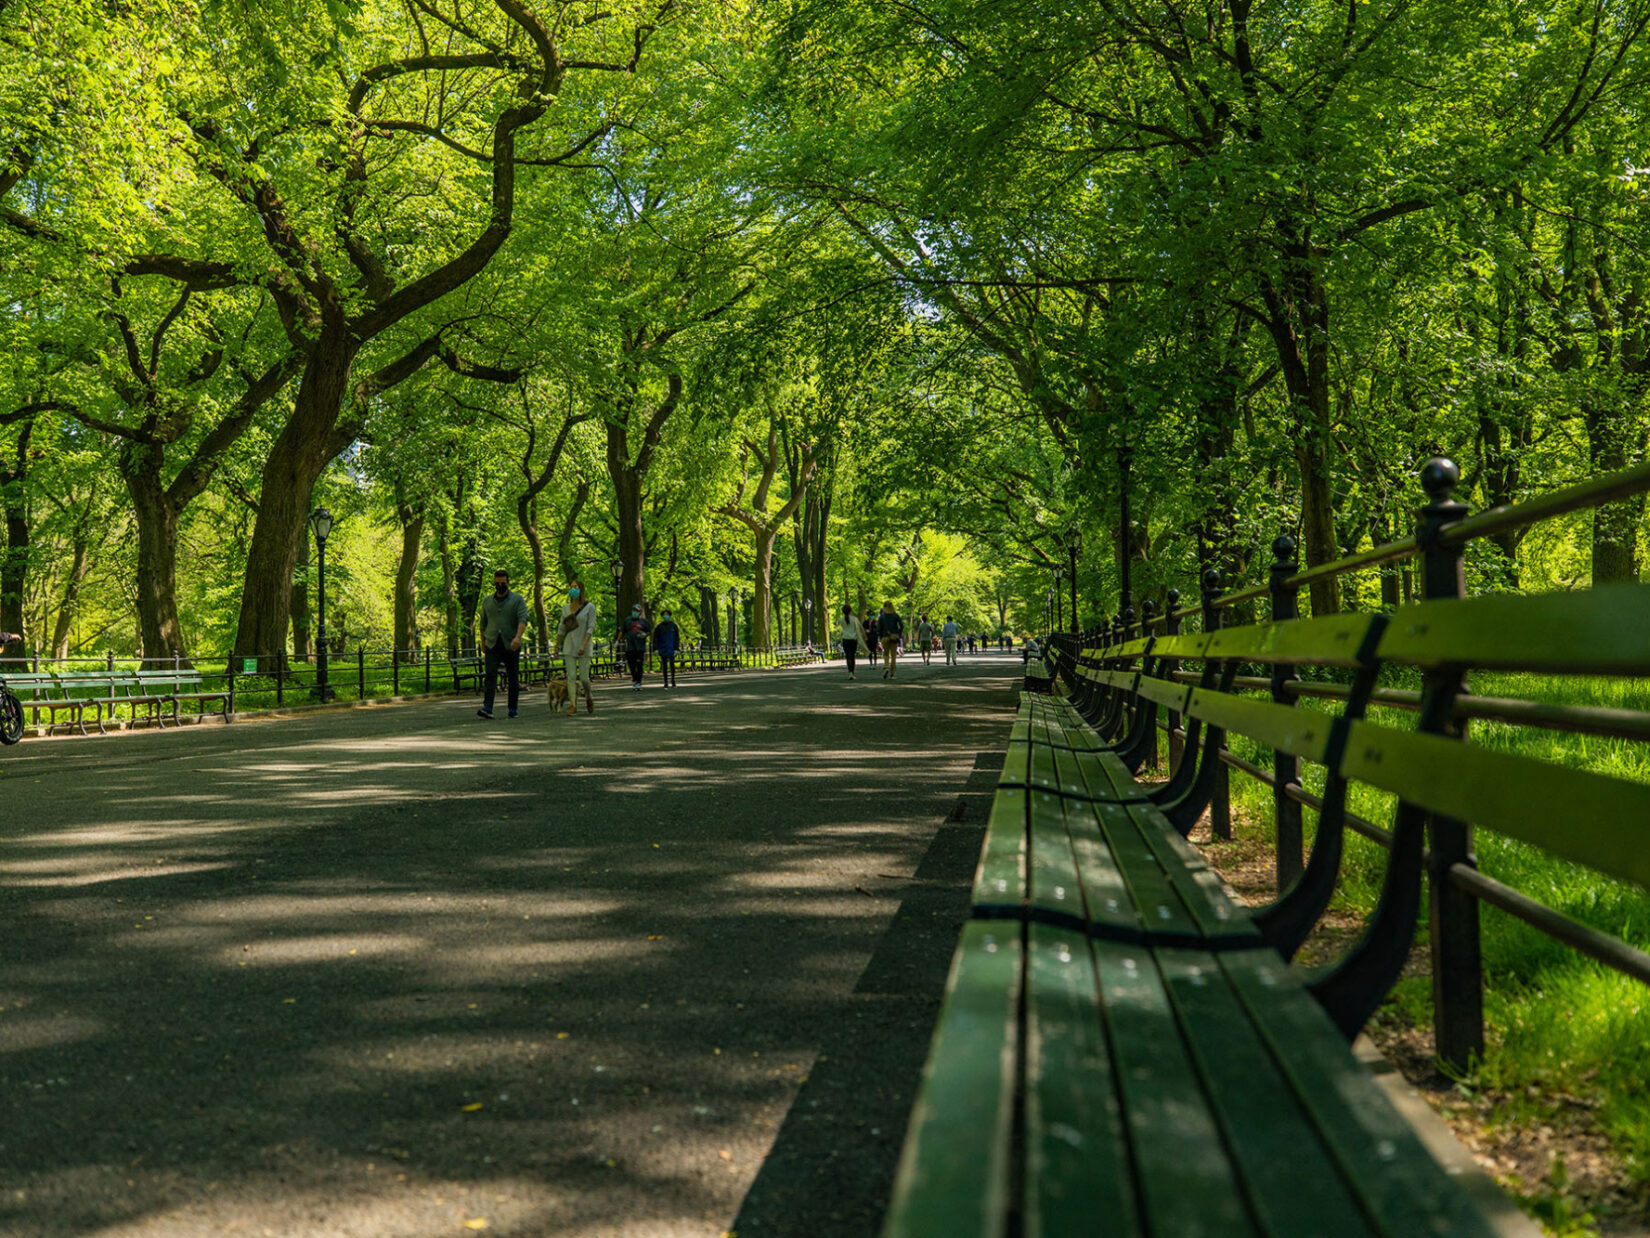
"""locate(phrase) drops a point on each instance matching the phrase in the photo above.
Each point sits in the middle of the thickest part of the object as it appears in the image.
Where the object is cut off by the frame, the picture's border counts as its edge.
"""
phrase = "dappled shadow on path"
(391, 973)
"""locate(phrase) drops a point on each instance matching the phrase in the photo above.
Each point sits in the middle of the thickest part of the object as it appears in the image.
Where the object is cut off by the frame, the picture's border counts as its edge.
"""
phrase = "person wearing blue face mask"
(578, 626)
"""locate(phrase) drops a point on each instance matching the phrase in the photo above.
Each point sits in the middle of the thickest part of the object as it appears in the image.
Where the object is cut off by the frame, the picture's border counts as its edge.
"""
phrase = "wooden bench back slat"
(1601, 631)
(1522, 798)
(1333, 641)
(1300, 732)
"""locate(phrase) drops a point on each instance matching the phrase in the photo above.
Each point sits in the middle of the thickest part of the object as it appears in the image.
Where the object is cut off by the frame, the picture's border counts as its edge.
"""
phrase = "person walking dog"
(578, 626)
(503, 620)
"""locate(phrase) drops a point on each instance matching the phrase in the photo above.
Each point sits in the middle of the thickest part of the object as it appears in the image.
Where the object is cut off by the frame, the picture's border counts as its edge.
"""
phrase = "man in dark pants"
(666, 637)
(503, 620)
(635, 631)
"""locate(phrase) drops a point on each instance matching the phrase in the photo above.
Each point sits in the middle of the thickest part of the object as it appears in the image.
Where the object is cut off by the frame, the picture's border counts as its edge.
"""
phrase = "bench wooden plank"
(1335, 640)
(1054, 890)
(1522, 798)
(1599, 631)
(1294, 1185)
(955, 1172)
(1163, 914)
(1222, 922)
(1301, 732)
(1077, 1171)
(1187, 1184)
(1402, 1187)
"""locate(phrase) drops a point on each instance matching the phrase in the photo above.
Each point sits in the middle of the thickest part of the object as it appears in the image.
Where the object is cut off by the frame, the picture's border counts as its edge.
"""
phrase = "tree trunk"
(469, 581)
(406, 580)
(1615, 525)
(527, 513)
(733, 617)
(80, 567)
(157, 599)
(627, 503)
(298, 457)
(301, 617)
(761, 628)
(449, 585)
(14, 568)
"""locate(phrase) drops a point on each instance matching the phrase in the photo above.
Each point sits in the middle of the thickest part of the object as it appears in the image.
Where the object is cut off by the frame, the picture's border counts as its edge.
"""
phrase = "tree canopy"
(784, 304)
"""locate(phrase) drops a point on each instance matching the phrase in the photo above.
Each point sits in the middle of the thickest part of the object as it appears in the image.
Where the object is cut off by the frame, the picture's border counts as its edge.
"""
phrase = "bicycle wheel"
(11, 718)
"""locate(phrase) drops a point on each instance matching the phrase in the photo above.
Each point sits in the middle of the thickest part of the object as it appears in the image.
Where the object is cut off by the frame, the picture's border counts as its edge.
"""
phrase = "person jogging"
(667, 637)
(890, 627)
(853, 637)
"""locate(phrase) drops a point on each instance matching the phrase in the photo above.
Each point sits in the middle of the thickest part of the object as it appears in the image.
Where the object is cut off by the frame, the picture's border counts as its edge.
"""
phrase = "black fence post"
(229, 674)
(1147, 611)
(427, 659)
(1220, 799)
(1171, 628)
(1457, 963)
(1286, 769)
(360, 672)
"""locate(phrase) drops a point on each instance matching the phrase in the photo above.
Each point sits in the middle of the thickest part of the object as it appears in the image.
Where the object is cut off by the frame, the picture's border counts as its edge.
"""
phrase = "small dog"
(557, 690)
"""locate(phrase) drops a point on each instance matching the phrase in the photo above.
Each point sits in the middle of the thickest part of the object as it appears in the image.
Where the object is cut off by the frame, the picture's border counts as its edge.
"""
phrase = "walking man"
(890, 627)
(666, 637)
(948, 641)
(925, 636)
(635, 632)
(503, 620)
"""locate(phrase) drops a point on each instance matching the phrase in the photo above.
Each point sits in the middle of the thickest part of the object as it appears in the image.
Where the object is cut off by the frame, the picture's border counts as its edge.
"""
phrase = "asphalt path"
(666, 969)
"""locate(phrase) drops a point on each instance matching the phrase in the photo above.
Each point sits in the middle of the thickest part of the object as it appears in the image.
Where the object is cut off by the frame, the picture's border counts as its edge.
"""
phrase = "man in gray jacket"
(503, 620)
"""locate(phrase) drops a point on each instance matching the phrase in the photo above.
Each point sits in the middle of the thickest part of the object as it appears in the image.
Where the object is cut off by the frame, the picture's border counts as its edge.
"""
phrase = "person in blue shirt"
(666, 638)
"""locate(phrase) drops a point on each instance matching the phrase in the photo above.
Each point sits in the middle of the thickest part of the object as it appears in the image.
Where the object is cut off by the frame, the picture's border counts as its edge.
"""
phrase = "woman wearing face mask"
(578, 624)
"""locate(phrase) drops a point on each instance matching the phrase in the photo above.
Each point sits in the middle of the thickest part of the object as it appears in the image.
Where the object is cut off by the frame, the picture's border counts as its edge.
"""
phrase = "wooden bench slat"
(1054, 888)
(1300, 732)
(1077, 1175)
(1517, 796)
(1163, 913)
(1295, 1186)
(1599, 631)
(1110, 901)
(955, 1172)
(1187, 1184)
(1335, 640)
(1222, 922)
(1402, 1187)
(1000, 879)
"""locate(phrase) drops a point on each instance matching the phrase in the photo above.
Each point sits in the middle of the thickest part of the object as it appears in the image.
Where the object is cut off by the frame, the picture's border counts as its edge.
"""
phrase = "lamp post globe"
(320, 521)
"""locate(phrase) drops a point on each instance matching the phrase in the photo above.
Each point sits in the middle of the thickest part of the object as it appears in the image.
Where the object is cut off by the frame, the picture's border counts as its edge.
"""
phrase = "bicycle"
(11, 709)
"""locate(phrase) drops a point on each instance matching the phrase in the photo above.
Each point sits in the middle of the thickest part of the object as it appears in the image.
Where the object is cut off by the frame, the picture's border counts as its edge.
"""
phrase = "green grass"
(1563, 1032)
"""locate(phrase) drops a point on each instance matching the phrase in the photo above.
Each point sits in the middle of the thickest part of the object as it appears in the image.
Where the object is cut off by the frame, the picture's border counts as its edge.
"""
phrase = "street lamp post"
(807, 621)
(1071, 550)
(1059, 615)
(321, 521)
(618, 576)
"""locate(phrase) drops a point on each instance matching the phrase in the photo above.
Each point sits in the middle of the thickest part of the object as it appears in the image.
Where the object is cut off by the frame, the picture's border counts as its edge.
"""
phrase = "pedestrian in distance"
(853, 637)
(503, 620)
(667, 638)
(890, 627)
(948, 641)
(925, 637)
(635, 630)
(578, 626)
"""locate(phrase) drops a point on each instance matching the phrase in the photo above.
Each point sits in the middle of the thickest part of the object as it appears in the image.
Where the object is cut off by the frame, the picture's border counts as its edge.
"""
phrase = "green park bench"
(163, 693)
(42, 692)
(1121, 1040)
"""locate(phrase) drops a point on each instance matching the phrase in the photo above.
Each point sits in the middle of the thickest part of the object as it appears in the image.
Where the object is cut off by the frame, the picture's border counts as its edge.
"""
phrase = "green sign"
(249, 666)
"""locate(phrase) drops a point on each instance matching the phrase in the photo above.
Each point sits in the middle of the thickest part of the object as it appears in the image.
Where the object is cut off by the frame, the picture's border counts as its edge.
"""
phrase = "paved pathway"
(666, 970)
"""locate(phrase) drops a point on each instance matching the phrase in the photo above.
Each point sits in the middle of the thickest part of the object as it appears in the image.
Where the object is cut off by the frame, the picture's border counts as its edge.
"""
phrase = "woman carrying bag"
(853, 636)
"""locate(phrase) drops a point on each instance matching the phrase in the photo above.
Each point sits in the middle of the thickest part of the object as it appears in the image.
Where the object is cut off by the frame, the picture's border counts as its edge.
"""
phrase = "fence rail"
(108, 692)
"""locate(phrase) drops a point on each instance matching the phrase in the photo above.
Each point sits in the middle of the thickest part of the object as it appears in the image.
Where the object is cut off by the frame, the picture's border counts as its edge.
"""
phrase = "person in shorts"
(890, 627)
(925, 637)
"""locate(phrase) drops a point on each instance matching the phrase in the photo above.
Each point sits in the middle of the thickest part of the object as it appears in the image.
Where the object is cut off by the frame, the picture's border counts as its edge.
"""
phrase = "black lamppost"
(807, 622)
(321, 521)
(1059, 603)
(618, 576)
(1071, 549)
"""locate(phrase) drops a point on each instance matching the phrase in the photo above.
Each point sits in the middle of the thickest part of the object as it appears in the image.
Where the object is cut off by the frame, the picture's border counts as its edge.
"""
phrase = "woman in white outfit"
(853, 637)
(578, 627)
